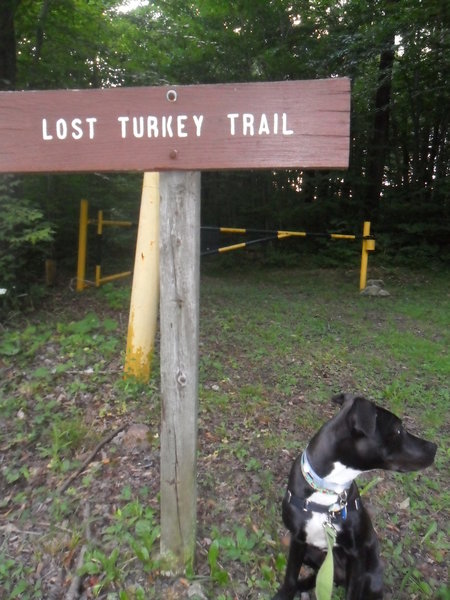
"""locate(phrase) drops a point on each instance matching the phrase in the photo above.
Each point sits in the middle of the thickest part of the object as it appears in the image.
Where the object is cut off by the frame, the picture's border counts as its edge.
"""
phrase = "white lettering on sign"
(249, 124)
(62, 129)
(167, 126)
(198, 120)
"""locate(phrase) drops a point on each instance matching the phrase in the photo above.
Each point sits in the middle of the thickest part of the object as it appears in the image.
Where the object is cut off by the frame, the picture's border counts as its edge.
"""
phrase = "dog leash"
(325, 575)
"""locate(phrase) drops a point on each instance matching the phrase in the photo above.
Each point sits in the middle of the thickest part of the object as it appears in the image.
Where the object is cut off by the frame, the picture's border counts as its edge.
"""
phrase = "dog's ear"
(362, 417)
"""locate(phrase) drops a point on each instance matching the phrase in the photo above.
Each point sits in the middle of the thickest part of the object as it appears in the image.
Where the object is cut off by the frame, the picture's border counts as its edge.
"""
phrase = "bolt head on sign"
(289, 124)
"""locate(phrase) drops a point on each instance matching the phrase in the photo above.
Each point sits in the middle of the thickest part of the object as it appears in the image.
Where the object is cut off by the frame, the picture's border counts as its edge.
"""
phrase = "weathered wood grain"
(179, 318)
(288, 124)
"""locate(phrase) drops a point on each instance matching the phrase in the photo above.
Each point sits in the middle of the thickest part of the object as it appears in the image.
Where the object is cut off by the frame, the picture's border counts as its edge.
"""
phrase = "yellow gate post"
(145, 291)
(98, 266)
(367, 246)
(82, 244)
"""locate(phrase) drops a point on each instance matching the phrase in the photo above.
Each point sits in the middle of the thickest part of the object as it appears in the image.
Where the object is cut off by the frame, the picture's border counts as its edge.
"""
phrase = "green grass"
(274, 346)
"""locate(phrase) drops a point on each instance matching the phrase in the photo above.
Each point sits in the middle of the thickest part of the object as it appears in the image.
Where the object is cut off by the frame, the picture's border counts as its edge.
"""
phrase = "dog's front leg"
(365, 587)
(365, 577)
(290, 586)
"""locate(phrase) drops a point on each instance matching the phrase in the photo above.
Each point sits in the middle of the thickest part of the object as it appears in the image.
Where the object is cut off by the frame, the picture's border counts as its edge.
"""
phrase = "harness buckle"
(328, 523)
(343, 499)
(340, 507)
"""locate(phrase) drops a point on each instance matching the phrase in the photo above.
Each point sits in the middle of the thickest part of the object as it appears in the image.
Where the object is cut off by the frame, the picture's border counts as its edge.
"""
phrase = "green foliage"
(249, 549)
(132, 536)
(82, 340)
(168, 41)
(24, 237)
(15, 581)
(104, 565)
(218, 575)
(117, 297)
(25, 342)
(239, 546)
(66, 437)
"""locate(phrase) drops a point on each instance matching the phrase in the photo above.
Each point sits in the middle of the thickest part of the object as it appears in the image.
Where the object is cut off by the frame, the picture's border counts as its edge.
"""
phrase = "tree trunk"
(8, 45)
(40, 30)
(378, 144)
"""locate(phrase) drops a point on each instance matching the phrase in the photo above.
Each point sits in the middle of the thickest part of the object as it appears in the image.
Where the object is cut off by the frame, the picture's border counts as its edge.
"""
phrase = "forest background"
(396, 53)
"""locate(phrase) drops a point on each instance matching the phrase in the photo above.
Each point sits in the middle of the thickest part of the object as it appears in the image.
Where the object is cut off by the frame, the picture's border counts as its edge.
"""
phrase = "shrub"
(24, 237)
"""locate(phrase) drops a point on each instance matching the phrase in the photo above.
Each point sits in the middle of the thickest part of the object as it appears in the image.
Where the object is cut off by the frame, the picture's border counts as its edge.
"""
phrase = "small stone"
(383, 293)
(374, 290)
(404, 505)
(137, 436)
(195, 592)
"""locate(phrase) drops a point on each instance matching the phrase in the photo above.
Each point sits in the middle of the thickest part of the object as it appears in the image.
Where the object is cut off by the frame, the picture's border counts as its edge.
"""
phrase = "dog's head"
(371, 437)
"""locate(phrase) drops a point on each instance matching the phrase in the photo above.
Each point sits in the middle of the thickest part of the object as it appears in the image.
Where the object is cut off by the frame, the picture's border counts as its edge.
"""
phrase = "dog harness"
(335, 510)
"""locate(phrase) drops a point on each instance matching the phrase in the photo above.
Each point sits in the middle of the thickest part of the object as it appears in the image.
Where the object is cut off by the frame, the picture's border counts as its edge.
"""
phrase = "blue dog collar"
(318, 483)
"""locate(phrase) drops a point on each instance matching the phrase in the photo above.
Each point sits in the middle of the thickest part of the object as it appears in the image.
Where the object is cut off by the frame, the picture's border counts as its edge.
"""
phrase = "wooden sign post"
(179, 324)
(182, 130)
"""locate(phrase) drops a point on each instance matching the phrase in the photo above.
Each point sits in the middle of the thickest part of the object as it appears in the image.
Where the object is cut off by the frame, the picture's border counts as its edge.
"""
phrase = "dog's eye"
(395, 433)
(394, 436)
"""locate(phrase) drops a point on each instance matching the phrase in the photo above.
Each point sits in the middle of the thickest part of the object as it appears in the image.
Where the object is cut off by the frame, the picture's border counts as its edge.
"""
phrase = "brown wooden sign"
(288, 124)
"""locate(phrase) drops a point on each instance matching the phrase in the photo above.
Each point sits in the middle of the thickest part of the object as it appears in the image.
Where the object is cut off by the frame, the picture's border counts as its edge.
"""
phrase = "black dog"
(361, 437)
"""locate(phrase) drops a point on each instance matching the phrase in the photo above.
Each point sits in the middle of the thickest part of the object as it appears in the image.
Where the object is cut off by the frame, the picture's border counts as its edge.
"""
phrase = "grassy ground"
(275, 345)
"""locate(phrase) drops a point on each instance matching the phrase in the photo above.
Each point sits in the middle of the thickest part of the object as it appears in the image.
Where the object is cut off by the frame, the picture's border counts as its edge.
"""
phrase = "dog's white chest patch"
(340, 474)
(315, 533)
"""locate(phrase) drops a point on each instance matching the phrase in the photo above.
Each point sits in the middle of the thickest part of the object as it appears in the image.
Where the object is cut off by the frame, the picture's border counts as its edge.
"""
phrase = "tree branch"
(63, 487)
